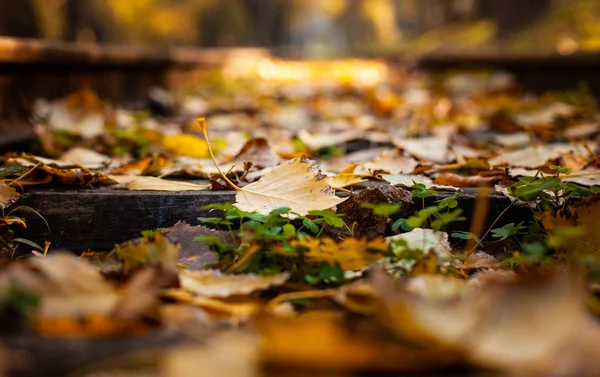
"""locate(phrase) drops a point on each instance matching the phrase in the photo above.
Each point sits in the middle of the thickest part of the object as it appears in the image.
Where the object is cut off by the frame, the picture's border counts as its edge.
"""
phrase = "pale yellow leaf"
(344, 180)
(156, 184)
(84, 157)
(212, 283)
(297, 184)
(392, 163)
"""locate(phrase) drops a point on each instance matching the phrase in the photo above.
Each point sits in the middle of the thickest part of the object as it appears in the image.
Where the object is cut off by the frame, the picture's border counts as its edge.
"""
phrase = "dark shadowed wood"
(100, 218)
(35, 355)
(535, 71)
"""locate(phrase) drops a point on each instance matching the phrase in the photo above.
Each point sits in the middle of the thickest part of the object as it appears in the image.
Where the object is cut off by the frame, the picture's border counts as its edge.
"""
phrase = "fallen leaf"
(8, 195)
(392, 163)
(343, 180)
(534, 157)
(316, 141)
(67, 287)
(134, 183)
(195, 254)
(151, 165)
(545, 115)
(581, 131)
(259, 152)
(212, 283)
(186, 145)
(427, 240)
(234, 309)
(297, 184)
(352, 254)
(406, 180)
(86, 158)
(588, 177)
(81, 113)
(455, 180)
(434, 148)
(149, 250)
(509, 326)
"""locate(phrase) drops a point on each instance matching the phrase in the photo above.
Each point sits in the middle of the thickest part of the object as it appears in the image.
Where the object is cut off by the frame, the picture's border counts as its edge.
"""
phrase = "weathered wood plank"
(100, 218)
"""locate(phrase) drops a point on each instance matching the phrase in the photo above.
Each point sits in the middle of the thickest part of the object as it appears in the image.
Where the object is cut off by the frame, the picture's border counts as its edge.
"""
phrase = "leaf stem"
(202, 124)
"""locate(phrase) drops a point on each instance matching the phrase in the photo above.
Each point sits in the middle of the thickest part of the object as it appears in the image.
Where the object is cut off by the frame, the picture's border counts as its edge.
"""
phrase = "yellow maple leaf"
(186, 145)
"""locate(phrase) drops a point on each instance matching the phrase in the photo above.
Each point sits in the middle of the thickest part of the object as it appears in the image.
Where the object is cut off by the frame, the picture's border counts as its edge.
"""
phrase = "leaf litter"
(365, 268)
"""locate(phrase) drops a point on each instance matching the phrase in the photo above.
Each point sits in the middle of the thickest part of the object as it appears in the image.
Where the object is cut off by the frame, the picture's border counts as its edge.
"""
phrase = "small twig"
(491, 227)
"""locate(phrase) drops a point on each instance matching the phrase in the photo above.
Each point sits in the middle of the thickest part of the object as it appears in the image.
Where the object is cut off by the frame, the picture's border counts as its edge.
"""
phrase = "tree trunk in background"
(89, 21)
(18, 19)
(512, 15)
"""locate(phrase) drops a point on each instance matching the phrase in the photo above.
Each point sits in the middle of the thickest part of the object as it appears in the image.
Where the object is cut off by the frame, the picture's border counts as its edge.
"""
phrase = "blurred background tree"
(313, 27)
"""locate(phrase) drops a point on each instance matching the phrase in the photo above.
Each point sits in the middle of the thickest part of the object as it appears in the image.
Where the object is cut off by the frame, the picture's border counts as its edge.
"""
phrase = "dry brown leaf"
(297, 184)
(8, 195)
(156, 184)
(352, 254)
(213, 283)
(455, 180)
(573, 161)
(195, 254)
(259, 152)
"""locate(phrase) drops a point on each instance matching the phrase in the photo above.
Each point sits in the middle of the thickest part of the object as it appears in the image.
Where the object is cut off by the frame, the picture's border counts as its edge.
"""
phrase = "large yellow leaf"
(297, 184)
